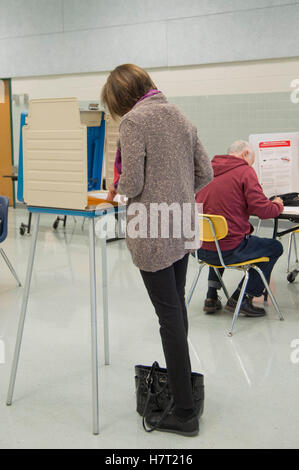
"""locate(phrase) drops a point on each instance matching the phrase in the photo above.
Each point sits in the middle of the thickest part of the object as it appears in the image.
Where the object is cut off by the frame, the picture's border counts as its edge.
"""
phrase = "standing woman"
(159, 160)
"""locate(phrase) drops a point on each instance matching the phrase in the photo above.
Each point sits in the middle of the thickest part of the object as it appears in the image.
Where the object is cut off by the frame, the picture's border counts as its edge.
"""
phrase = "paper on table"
(291, 210)
(98, 194)
(120, 199)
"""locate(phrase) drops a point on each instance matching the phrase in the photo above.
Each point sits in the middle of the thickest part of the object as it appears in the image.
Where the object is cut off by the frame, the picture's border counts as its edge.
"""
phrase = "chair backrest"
(3, 216)
(208, 223)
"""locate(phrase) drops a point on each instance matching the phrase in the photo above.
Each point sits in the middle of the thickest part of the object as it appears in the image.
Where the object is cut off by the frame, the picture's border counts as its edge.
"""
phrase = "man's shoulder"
(248, 172)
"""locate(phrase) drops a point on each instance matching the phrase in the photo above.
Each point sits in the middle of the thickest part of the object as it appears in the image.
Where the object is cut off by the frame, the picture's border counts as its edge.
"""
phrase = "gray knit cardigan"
(163, 161)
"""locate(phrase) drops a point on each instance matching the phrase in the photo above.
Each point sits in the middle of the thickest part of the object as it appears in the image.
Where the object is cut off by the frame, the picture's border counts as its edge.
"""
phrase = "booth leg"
(29, 222)
(23, 314)
(105, 299)
(94, 342)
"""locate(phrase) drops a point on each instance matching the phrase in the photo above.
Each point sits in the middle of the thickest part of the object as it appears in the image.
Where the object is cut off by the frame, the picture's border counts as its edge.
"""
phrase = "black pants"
(250, 248)
(166, 289)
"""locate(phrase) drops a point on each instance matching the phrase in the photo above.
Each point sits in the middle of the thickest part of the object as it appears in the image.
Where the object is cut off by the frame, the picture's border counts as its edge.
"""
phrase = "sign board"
(277, 162)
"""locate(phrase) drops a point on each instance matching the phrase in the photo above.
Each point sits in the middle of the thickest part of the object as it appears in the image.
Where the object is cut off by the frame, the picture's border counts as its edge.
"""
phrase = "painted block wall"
(225, 101)
(42, 37)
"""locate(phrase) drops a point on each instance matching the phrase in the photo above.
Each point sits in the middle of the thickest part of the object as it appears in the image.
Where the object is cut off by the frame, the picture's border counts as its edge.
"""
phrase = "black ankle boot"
(247, 308)
(211, 305)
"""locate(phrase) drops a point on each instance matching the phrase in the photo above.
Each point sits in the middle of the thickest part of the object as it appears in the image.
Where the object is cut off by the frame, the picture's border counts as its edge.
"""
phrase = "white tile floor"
(251, 383)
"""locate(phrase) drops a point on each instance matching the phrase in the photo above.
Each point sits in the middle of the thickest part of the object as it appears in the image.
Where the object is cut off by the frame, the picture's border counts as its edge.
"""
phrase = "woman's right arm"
(203, 171)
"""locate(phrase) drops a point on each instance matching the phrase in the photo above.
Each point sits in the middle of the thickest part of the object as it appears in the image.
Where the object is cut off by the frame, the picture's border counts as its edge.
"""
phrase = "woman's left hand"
(112, 192)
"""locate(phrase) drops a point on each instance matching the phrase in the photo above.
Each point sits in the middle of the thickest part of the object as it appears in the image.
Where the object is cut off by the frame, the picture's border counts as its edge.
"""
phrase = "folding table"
(91, 215)
(54, 178)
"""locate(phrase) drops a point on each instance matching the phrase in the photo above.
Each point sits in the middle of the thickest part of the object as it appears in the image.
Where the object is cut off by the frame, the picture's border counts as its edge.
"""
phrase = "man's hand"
(111, 193)
(278, 200)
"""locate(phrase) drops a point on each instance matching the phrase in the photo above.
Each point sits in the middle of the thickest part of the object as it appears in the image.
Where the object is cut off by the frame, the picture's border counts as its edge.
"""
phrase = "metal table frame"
(276, 233)
(292, 218)
(90, 215)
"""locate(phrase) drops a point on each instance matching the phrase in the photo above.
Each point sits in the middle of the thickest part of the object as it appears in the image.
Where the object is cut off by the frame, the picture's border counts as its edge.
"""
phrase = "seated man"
(236, 194)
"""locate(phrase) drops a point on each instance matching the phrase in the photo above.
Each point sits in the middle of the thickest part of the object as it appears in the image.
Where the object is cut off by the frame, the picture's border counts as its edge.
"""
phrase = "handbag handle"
(165, 413)
(149, 381)
(150, 377)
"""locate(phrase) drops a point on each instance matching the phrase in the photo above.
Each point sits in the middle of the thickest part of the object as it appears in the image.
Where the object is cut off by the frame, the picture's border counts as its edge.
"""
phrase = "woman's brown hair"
(124, 87)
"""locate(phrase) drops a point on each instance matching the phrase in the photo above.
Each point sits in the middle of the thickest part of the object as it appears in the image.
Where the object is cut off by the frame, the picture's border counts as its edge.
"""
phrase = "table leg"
(94, 342)
(275, 229)
(23, 313)
(105, 299)
(258, 227)
(29, 222)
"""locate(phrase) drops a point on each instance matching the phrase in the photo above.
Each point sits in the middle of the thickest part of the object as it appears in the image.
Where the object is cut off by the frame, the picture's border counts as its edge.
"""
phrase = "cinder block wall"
(225, 101)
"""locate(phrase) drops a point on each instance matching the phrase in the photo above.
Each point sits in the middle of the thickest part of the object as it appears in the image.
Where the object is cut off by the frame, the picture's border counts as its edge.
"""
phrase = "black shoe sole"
(208, 310)
(211, 309)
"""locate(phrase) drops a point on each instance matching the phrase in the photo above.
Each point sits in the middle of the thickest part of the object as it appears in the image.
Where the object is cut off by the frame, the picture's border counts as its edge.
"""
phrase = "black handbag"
(153, 392)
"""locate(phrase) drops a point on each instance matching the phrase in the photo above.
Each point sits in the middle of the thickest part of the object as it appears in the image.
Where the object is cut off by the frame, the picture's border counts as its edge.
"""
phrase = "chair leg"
(10, 266)
(269, 291)
(222, 283)
(240, 299)
(258, 227)
(16, 357)
(289, 251)
(194, 283)
(295, 246)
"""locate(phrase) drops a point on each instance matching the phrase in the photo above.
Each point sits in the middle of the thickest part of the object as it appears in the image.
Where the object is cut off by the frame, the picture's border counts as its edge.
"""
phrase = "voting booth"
(61, 172)
(63, 153)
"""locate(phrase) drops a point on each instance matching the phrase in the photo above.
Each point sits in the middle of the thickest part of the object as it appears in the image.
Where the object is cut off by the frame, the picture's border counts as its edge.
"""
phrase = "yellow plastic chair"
(212, 229)
(292, 240)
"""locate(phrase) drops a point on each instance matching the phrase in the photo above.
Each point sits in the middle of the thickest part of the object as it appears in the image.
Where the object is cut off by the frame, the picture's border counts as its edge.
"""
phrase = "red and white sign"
(276, 143)
(277, 161)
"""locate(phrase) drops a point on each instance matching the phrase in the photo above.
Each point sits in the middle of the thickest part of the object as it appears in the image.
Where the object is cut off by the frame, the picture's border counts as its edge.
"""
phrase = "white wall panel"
(104, 13)
(84, 51)
(230, 37)
(31, 55)
(104, 49)
(42, 37)
(30, 17)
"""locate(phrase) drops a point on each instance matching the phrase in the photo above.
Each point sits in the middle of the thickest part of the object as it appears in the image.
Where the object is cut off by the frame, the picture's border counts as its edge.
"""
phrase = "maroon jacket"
(236, 194)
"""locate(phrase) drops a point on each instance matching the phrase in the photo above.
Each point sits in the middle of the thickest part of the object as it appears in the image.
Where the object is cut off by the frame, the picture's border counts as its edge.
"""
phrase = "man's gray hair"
(239, 146)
